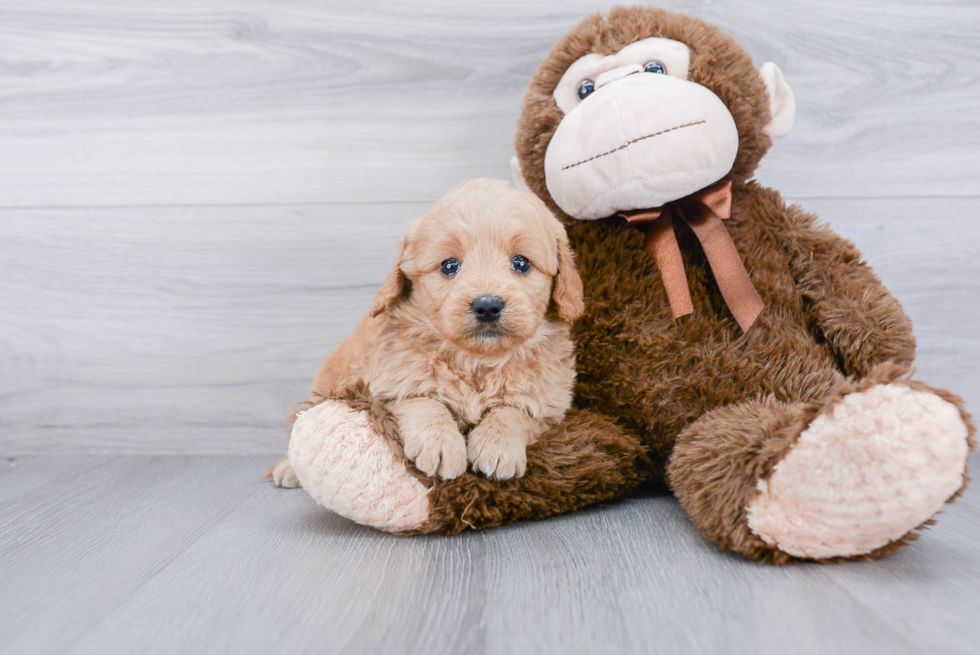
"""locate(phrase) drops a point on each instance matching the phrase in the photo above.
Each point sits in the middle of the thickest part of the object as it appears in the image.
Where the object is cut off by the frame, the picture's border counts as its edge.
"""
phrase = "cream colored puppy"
(469, 342)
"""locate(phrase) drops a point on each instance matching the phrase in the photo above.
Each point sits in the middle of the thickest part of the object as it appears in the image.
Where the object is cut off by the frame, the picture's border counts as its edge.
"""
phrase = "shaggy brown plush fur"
(585, 460)
(737, 400)
(826, 314)
(693, 402)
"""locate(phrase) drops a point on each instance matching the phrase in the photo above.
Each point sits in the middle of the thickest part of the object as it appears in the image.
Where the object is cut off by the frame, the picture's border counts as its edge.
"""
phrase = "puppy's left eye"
(450, 267)
(520, 264)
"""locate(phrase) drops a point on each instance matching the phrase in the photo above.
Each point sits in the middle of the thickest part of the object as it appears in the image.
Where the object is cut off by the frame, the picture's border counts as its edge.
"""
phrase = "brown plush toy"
(732, 348)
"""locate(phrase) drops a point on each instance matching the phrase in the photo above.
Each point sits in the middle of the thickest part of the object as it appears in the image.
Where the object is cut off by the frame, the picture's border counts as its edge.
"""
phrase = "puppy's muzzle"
(487, 309)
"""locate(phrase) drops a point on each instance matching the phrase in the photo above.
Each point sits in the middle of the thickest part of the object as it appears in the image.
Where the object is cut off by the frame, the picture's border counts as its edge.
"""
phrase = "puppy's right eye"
(585, 89)
(450, 267)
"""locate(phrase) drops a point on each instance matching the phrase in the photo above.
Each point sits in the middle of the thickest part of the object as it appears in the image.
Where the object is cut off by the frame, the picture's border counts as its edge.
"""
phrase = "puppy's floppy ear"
(567, 290)
(395, 285)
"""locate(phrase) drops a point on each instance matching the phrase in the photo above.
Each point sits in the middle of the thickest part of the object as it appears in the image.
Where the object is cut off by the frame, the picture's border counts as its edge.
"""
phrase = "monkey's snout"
(689, 142)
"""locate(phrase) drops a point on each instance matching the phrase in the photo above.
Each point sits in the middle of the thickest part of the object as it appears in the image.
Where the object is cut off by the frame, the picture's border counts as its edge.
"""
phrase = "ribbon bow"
(704, 211)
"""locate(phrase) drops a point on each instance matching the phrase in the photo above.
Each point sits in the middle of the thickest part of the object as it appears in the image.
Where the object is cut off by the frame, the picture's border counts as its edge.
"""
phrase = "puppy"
(469, 334)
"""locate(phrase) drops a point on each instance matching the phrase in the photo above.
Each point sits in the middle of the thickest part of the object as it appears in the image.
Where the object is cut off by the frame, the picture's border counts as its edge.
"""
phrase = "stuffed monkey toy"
(732, 349)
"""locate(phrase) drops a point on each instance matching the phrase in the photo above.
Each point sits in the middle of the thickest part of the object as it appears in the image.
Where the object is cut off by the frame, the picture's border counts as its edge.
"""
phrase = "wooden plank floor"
(170, 554)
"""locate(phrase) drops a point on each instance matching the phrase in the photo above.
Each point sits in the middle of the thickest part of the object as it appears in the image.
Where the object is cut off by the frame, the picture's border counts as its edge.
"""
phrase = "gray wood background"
(198, 198)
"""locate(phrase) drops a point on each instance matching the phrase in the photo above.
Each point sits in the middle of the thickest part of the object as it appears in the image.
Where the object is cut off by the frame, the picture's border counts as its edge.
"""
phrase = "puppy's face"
(484, 266)
(483, 272)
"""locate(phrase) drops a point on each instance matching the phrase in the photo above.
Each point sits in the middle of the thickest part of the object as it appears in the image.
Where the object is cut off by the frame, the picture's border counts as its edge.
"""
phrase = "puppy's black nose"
(487, 308)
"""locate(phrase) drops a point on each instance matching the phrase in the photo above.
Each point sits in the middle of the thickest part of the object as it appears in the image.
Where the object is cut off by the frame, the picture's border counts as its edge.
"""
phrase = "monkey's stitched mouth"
(629, 143)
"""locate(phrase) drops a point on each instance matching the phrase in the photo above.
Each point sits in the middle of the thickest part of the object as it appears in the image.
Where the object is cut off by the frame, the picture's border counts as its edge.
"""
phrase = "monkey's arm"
(361, 473)
(846, 302)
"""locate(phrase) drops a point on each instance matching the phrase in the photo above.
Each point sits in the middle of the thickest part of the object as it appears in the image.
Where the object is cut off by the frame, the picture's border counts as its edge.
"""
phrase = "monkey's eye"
(450, 267)
(585, 87)
(655, 67)
(520, 264)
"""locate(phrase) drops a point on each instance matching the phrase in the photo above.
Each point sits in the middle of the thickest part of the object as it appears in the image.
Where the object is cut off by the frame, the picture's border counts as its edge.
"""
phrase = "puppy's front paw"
(498, 454)
(436, 451)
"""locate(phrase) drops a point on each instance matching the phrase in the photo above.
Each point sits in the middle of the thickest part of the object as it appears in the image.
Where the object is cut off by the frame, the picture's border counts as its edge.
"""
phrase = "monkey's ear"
(515, 170)
(394, 286)
(782, 103)
(567, 292)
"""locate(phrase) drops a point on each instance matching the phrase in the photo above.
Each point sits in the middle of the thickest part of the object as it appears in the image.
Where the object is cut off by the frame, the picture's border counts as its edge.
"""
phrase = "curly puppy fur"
(442, 372)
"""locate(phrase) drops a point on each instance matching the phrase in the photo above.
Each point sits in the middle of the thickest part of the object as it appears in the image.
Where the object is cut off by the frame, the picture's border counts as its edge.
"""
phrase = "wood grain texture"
(197, 329)
(137, 323)
(84, 542)
(285, 101)
(942, 580)
(196, 555)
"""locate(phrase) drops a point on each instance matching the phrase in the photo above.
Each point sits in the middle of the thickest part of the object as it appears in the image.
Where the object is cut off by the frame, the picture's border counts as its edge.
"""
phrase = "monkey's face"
(615, 122)
(636, 132)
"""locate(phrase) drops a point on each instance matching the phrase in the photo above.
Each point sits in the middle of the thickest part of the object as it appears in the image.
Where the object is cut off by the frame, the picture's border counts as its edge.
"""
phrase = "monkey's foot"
(348, 468)
(862, 475)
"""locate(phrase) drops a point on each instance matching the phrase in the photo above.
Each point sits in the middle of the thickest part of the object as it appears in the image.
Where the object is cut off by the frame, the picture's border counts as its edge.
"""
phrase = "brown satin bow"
(703, 211)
